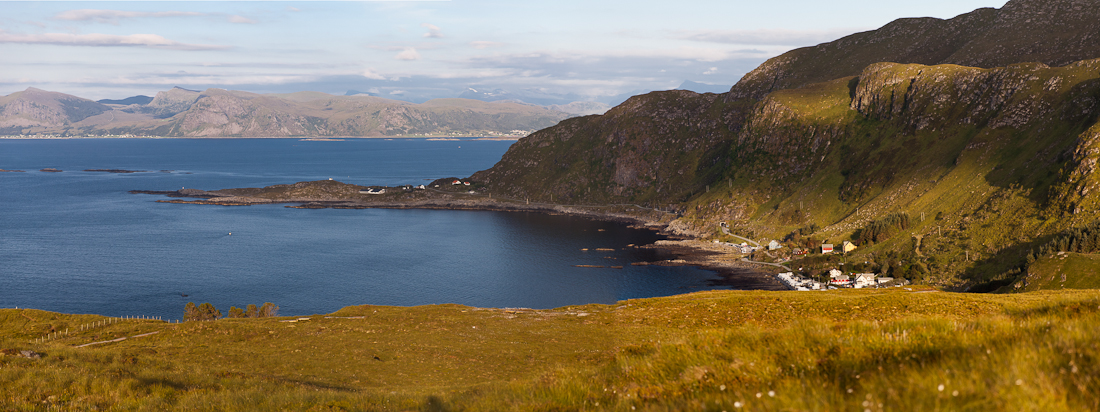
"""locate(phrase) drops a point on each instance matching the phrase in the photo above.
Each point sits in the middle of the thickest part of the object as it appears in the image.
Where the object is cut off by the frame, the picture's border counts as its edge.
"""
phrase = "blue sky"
(399, 49)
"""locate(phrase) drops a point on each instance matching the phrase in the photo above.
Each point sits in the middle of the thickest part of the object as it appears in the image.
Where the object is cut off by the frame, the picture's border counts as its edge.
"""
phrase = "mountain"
(128, 101)
(947, 148)
(224, 113)
(1055, 32)
(34, 107)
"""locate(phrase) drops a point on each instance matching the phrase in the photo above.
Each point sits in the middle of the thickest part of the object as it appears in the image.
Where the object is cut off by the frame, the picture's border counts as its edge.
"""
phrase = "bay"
(78, 242)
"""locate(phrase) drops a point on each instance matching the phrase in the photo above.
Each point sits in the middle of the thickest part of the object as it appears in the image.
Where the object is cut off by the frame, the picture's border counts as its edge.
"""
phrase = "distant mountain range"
(223, 113)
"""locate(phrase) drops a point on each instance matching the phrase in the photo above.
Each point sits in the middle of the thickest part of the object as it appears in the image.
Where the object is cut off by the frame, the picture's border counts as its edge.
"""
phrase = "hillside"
(720, 350)
(223, 113)
(987, 159)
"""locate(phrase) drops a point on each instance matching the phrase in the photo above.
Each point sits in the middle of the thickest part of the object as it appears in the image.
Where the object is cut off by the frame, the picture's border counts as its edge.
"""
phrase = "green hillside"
(844, 350)
(988, 161)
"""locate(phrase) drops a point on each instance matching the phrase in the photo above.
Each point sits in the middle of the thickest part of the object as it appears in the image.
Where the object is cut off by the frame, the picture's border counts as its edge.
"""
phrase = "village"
(837, 279)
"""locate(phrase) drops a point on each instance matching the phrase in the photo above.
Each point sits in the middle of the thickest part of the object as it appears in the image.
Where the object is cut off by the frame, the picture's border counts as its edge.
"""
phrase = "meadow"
(897, 349)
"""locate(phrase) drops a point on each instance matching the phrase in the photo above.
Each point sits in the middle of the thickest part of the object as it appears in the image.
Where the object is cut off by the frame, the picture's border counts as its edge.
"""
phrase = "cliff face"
(648, 149)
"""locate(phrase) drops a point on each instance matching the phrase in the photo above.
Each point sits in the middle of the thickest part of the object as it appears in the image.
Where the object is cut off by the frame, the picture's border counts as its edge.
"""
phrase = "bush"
(883, 229)
(205, 311)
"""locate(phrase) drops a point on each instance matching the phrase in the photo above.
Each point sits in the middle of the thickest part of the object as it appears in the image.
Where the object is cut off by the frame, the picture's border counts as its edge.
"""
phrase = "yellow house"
(847, 246)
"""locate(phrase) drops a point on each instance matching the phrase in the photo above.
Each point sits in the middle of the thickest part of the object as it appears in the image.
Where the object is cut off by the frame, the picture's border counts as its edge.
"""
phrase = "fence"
(90, 326)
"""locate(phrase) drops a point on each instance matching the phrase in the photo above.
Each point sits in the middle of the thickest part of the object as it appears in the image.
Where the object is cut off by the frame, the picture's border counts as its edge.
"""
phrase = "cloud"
(241, 20)
(764, 36)
(113, 16)
(408, 53)
(104, 40)
(711, 70)
(373, 75)
(485, 44)
(433, 31)
(293, 9)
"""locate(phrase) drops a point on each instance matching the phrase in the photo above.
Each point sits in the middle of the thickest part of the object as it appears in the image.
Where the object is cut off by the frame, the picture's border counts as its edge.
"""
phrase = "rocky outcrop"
(645, 150)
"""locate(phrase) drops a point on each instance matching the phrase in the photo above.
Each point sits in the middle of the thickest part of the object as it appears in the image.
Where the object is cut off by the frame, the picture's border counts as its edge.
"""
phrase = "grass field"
(842, 350)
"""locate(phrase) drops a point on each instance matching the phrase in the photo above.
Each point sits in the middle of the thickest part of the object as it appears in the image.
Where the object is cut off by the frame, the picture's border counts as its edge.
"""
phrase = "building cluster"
(837, 280)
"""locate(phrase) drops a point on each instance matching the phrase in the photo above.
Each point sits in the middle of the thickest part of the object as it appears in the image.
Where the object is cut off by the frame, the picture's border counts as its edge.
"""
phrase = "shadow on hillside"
(990, 274)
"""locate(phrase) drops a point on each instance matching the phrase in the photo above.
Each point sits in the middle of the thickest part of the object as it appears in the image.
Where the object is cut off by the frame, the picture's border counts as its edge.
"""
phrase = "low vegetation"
(722, 350)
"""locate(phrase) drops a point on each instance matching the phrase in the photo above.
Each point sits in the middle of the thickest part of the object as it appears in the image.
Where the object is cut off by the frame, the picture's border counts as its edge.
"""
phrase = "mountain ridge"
(838, 136)
(226, 113)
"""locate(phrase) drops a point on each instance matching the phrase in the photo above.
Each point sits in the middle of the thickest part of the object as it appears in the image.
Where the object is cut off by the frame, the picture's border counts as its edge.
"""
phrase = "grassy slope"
(878, 350)
(808, 156)
(1079, 271)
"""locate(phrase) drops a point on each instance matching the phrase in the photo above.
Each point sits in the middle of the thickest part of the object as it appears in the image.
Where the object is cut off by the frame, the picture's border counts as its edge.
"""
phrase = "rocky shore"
(683, 249)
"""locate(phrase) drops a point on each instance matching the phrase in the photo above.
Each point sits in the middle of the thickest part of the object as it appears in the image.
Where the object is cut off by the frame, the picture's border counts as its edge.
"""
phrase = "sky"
(575, 49)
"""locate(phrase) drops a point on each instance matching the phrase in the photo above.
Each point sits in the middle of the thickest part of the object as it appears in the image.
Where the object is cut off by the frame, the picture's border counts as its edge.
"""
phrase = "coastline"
(681, 249)
(302, 138)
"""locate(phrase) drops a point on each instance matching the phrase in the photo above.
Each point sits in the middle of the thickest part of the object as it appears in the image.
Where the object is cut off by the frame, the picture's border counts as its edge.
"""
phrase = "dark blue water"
(77, 242)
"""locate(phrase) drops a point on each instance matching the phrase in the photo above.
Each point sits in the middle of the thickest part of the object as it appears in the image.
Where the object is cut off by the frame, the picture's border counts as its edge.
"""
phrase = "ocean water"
(78, 242)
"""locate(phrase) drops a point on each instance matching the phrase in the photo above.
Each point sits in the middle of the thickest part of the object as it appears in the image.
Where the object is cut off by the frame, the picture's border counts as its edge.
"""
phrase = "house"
(466, 183)
(373, 191)
(421, 187)
(863, 280)
(456, 182)
(826, 248)
(842, 280)
(799, 251)
(847, 246)
(773, 245)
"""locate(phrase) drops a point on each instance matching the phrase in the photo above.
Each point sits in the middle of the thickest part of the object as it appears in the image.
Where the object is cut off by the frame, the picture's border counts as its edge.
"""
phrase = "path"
(117, 340)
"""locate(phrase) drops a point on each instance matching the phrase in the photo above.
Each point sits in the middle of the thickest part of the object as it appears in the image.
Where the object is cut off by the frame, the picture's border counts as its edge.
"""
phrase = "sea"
(76, 241)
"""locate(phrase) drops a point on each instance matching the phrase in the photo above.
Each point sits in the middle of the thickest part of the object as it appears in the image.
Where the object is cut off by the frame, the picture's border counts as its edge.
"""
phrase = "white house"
(864, 280)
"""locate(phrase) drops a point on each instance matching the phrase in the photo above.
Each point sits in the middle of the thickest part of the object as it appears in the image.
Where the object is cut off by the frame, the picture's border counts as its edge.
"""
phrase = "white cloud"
(408, 53)
(113, 16)
(241, 20)
(371, 74)
(433, 31)
(765, 36)
(711, 70)
(104, 40)
(485, 44)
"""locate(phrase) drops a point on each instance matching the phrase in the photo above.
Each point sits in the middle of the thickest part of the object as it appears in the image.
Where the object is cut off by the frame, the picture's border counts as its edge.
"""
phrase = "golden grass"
(841, 350)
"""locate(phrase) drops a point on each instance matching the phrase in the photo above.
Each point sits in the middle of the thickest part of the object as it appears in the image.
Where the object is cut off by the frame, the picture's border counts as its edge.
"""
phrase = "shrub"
(883, 229)
(204, 311)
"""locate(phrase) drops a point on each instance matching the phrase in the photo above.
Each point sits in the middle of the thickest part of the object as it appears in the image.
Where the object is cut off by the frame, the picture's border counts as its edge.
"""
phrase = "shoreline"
(301, 138)
(680, 249)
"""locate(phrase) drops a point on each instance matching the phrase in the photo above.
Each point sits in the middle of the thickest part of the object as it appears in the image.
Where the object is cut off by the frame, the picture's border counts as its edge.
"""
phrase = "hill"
(223, 113)
(987, 159)
(720, 350)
